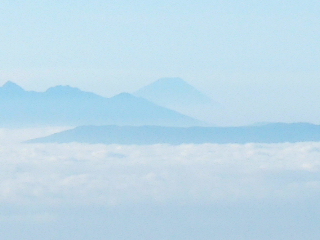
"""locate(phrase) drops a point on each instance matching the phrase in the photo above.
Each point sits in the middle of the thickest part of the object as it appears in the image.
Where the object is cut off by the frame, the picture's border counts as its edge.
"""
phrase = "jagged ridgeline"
(69, 106)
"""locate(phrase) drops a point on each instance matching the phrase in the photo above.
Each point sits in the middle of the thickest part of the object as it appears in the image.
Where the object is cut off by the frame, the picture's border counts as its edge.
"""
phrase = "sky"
(259, 59)
(173, 192)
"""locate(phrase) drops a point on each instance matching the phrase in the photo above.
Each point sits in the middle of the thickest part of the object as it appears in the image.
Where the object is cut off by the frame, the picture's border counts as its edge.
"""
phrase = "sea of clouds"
(114, 174)
(58, 176)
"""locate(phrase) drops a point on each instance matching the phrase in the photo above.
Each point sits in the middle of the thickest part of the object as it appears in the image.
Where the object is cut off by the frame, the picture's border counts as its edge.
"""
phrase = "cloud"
(73, 191)
(85, 174)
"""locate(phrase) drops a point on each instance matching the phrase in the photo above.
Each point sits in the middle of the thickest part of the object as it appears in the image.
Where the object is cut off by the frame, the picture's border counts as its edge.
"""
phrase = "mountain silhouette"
(69, 106)
(178, 95)
(145, 135)
(11, 87)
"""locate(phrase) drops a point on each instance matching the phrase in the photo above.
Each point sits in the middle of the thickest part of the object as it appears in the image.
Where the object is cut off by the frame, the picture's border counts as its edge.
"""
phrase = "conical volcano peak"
(179, 95)
(171, 80)
(11, 86)
(171, 83)
(174, 88)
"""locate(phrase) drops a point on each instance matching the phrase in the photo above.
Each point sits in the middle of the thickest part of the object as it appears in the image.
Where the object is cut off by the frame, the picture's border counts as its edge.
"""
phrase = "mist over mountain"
(178, 95)
(69, 106)
(145, 135)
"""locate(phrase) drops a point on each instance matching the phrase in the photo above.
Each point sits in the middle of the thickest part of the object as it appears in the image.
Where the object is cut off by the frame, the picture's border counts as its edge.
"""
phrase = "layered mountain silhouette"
(178, 95)
(145, 135)
(68, 106)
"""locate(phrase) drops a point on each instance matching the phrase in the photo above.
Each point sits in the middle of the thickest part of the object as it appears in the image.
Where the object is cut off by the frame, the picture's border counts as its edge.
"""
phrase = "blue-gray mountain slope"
(178, 95)
(145, 135)
(68, 106)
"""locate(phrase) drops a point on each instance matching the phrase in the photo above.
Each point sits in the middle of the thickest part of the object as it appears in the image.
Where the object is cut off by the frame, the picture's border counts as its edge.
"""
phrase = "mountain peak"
(171, 80)
(168, 91)
(72, 92)
(63, 89)
(11, 86)
(176, 84)
(178, 95)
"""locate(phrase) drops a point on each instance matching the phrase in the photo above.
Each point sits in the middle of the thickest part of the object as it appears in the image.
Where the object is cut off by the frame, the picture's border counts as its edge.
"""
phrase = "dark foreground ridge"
(147, 135)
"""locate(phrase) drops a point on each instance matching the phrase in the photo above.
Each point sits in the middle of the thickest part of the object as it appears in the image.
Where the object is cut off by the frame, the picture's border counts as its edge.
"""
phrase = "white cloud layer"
(84, 174)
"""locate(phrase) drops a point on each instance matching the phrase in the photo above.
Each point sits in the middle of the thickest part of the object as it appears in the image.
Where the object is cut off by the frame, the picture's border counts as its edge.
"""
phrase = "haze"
(260, 60)
(236, 63)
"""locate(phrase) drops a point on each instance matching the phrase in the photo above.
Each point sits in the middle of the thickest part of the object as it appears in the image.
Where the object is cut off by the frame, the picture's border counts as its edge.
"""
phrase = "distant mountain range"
(145, 135)
(178, 95)
(68, 106)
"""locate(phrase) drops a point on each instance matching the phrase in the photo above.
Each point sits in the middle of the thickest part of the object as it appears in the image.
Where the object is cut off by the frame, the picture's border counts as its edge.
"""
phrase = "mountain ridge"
(148, 135)
(69, 106)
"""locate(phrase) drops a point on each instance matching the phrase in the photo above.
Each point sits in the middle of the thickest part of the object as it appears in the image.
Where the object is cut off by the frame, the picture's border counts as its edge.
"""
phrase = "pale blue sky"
(260, 59)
